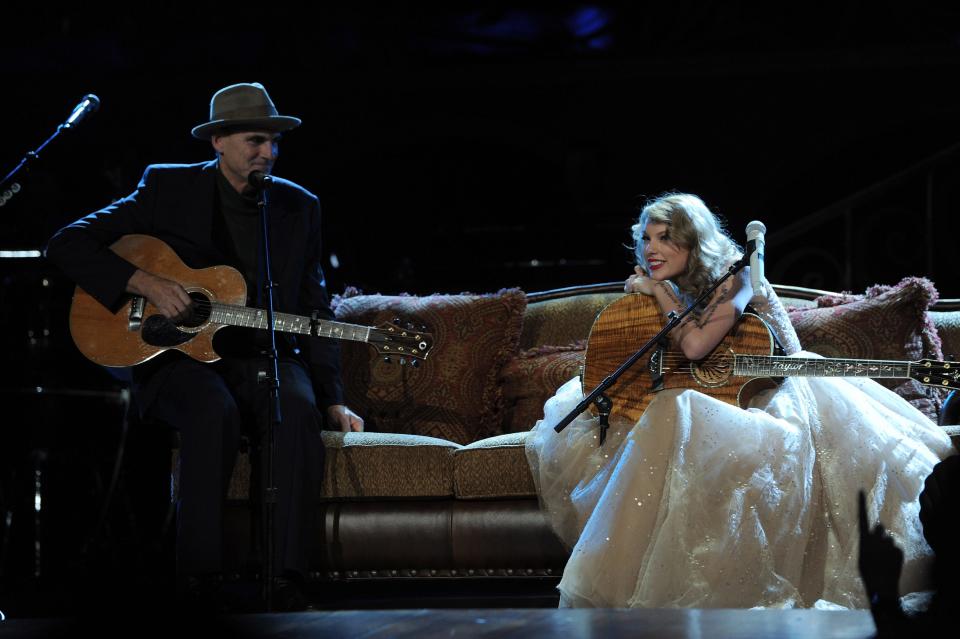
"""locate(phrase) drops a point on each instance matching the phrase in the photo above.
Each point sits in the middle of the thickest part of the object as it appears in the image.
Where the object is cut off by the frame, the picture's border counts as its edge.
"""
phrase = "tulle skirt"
(703, 504)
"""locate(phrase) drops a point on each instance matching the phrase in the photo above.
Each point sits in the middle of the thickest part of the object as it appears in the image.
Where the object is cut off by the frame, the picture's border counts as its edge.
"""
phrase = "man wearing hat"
(209, 216)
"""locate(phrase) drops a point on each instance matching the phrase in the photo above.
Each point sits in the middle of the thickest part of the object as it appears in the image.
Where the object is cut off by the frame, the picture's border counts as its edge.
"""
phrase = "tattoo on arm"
(707, 313)
(669, 291)
(704, 317)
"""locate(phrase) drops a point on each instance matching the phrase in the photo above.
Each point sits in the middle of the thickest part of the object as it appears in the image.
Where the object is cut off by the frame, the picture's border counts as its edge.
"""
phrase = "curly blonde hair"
(692, 227)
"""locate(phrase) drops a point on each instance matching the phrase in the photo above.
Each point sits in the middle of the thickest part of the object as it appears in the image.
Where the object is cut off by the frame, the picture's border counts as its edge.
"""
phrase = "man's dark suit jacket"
(176, 203)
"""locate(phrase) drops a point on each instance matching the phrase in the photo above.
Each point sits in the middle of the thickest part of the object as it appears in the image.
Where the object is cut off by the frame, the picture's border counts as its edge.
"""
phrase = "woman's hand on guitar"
(170, 298)
(639, 282)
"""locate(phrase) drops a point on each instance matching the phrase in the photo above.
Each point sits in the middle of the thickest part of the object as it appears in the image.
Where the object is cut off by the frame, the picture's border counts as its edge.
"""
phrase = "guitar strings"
(675, 357)
(209, 306)
(687, 368)
(212, 306)
(674, 360)
(676, 363)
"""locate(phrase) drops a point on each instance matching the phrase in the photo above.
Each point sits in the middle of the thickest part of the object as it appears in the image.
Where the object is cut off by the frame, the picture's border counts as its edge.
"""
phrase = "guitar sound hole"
(715, 371)
(200, 312)
(157, 330)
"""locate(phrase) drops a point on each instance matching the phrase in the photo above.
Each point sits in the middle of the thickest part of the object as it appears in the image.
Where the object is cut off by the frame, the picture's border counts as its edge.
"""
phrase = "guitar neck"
(232, 315)
(776, 366)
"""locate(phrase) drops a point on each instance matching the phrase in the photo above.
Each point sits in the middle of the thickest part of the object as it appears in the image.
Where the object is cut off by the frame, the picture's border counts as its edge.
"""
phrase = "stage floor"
(509, 622)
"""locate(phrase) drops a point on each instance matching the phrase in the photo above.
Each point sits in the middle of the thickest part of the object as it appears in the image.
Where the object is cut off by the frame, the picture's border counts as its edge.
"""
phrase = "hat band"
(246, 113)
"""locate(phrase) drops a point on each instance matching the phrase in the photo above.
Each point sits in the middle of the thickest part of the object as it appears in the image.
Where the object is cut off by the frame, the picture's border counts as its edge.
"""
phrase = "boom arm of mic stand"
(28, 159)
(675, 320)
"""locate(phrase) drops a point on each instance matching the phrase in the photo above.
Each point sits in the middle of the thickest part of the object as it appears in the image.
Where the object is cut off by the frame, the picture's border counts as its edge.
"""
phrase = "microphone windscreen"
(258, 180)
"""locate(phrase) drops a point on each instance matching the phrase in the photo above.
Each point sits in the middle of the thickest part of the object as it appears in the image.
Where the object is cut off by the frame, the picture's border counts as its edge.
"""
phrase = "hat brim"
(276, 123)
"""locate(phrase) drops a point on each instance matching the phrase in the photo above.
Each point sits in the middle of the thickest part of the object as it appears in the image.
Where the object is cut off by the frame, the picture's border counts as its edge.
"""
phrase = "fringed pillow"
(455, 393)
(886, 322)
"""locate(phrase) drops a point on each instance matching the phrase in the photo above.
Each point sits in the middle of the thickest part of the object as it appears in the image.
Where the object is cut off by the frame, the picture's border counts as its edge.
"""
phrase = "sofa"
(438, 487)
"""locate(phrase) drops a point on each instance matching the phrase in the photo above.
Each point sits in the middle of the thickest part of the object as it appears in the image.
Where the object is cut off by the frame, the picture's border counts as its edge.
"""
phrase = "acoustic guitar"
(137, 331)
(743, 364)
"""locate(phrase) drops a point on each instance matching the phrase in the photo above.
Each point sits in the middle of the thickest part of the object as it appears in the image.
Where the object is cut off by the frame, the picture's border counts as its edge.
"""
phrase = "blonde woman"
(704, 504)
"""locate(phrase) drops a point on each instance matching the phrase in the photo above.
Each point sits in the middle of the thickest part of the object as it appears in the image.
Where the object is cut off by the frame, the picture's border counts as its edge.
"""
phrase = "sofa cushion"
(948, 329)
(887, 322)
(493, 468)
(563, 320)
(531, 377)
(953, 432)
(455, 393)
(361, 465)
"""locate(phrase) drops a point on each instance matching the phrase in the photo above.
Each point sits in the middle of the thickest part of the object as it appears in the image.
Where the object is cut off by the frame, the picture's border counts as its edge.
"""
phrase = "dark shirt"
(237, 229)
(238, 232)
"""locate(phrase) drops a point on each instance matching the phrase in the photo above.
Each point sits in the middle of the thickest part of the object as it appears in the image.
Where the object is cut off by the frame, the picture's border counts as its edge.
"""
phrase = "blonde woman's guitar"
(138, 332)
(744, 363)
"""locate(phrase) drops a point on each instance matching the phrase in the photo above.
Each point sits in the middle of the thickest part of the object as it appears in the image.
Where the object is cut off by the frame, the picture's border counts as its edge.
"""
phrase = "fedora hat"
(243, 105)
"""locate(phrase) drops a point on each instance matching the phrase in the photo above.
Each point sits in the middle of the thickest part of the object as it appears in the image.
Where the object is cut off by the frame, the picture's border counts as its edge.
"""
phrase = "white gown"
(703, 504)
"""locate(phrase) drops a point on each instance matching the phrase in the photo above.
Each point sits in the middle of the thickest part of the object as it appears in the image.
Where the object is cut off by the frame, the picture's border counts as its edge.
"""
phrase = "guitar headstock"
(395, 339)
(931, 372)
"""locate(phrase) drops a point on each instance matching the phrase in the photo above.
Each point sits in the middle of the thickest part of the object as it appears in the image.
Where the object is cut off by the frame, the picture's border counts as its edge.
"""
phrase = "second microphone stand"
(9, 188)
(274, 417)
(597, 396)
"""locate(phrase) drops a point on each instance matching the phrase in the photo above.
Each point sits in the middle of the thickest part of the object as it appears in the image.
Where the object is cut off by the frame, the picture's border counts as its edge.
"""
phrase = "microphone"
(89, 104)
(755, 246)
(259, 180)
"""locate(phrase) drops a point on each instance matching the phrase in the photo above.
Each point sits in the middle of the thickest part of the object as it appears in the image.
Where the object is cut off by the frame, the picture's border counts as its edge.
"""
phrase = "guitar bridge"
(135, 320)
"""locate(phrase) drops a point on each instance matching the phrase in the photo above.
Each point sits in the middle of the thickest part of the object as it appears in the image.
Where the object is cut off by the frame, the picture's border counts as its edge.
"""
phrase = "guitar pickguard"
(159, 331)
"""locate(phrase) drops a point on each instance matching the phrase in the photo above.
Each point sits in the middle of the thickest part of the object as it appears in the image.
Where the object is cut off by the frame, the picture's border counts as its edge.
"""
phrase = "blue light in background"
(583, 27)
(517, 26)
(586, 23)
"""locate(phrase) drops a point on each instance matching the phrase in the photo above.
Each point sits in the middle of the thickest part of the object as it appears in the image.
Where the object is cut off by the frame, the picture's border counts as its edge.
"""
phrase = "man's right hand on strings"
(169, 297)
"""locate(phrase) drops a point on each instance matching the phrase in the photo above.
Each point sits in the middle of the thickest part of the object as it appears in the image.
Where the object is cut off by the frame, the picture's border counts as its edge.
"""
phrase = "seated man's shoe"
(200, 593)
(288, 593)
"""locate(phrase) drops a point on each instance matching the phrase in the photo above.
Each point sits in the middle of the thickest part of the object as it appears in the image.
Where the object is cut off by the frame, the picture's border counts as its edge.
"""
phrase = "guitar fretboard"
(257, 318)
(774, 366)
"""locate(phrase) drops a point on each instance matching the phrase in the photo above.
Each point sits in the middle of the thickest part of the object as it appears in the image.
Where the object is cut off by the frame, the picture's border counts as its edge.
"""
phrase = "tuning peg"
(415, 363)
(386, 359)
(403, 361)
(396, 320)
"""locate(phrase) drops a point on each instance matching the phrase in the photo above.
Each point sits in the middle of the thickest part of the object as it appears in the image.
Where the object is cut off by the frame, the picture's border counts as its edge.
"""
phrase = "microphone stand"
(29, 158)
(91, 103)
(273, 378)
(597, 396)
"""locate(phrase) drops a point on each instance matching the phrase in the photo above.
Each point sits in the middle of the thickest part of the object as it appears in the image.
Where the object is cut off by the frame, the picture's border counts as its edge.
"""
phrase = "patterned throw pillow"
(454, 394)
(532, 377)
(887, 322)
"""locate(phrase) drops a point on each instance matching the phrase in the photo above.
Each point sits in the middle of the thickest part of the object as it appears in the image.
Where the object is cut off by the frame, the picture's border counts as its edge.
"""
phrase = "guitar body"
(628, 323)
(118, 339)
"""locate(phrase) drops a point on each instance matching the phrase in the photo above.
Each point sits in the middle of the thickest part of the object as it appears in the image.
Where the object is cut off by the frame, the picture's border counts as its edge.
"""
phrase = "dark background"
(477, 146)
(466, 147)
